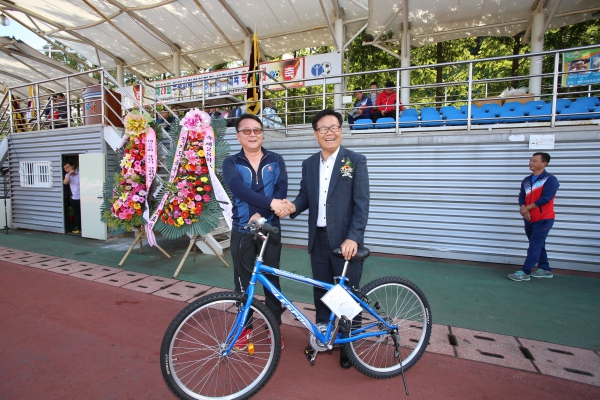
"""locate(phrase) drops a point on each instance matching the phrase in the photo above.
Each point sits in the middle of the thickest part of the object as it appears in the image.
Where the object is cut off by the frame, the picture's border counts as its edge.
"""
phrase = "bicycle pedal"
(311, 354)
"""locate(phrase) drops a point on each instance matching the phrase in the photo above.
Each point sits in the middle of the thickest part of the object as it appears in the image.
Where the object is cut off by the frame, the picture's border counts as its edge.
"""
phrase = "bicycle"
(198, 359)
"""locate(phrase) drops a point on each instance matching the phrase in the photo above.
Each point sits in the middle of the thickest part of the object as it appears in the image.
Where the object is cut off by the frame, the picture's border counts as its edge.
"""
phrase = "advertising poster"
(283, 71)
(581, 67)
(228, 81)
(322, 65)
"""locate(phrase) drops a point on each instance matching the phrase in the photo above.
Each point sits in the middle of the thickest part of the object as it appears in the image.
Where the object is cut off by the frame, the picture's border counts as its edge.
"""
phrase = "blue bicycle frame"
(258, 275)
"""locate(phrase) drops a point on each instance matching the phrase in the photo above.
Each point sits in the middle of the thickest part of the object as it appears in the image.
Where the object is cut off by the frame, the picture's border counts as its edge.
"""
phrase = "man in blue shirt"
(257, 178)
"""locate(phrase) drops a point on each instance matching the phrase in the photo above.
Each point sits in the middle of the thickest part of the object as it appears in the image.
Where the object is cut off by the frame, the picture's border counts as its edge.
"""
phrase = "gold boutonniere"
(347, 168)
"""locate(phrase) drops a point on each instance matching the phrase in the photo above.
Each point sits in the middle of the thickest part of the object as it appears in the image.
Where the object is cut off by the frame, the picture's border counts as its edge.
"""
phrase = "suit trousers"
(537, 232)
(244, 249)
(326, 265)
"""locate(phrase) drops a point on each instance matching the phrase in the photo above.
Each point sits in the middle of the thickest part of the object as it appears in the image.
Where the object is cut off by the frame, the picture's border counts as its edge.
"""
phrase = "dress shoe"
(344, 360)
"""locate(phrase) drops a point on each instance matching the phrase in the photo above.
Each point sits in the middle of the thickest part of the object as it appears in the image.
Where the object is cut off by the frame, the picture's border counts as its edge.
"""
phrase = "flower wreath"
(124, 207)
(188, 204)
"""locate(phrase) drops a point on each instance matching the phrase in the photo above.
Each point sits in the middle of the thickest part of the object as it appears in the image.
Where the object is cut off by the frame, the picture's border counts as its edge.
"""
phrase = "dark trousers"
(76, 205)
(537, 232)
(326, 265)
(390, 114)
(244, 249)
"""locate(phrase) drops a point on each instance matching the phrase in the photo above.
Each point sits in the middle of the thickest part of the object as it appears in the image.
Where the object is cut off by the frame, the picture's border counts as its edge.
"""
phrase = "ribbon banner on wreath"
(125, 206)
(194, 197)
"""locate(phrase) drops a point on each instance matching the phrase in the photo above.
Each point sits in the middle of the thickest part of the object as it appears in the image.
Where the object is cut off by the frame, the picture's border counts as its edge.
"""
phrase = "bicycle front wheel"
(400, 302)
(191, 359)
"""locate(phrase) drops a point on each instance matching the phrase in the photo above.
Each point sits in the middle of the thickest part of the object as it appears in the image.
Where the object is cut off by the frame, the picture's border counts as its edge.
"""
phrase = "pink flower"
(188, 221)
(198, 197)
(195, 120)
(206, 198)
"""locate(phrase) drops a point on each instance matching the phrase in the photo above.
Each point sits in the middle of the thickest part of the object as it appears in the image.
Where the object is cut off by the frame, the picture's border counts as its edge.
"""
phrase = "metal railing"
(295, 101)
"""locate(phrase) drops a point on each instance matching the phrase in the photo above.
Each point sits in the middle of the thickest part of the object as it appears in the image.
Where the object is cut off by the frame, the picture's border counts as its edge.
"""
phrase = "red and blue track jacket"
(542, 193)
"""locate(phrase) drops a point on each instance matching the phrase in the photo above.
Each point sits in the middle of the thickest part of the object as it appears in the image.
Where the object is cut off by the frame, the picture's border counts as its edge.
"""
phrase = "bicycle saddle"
(361, 253)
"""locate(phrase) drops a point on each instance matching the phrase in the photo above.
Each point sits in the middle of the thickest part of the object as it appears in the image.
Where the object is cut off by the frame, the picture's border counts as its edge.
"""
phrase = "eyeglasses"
(248, 131)
(333, 129)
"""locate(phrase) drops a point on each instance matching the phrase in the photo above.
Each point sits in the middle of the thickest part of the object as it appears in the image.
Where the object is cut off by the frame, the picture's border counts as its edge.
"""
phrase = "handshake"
(282, 208)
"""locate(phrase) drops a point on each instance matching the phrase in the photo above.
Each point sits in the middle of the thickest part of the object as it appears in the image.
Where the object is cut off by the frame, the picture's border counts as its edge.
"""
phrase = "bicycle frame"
(258, 275)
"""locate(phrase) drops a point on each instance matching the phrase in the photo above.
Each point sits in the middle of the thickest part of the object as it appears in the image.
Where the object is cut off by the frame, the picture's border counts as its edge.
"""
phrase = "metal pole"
(554, 89)
(286, 109)
(469, 98)
(10, 115)
(102, 97)
(397, 103)
(37, 106)
(68, 103)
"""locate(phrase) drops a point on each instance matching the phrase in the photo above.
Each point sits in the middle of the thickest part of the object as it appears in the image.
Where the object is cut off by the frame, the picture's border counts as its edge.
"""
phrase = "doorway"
(68, 214)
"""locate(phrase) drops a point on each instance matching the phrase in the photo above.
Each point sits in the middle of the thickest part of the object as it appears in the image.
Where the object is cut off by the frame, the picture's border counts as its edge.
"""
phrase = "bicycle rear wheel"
(191, 360)
(400, 302)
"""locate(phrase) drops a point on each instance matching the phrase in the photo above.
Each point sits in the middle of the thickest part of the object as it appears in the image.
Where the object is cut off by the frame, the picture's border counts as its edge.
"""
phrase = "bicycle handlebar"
(261, 224)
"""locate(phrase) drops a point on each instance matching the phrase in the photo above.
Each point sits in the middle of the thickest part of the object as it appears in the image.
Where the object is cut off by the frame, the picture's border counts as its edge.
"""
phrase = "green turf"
(561, 310)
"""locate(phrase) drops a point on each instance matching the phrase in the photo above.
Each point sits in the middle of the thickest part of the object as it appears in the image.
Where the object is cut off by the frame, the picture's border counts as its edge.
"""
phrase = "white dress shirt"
(324, 179)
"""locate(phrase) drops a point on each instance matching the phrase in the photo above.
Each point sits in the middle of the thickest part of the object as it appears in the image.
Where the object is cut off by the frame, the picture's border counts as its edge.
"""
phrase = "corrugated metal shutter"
(42, 208)
(456, 195)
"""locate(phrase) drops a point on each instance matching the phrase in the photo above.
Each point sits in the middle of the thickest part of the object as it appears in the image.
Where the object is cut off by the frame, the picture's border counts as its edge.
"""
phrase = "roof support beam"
(549, 19)
(216, 26)
(174, 46)
(56, 46)
(59, 27)
(331, 31)
(122, 32)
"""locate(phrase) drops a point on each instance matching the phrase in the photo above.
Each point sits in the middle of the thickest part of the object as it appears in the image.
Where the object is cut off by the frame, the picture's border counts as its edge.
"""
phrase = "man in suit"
(335, 190)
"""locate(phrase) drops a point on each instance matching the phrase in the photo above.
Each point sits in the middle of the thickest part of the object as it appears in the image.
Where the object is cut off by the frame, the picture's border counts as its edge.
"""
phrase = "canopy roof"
(21, 64)
(143, 34)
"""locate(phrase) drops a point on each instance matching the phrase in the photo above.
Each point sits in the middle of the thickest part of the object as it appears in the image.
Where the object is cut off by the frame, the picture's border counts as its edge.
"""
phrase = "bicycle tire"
(404, 304)
(191, 360)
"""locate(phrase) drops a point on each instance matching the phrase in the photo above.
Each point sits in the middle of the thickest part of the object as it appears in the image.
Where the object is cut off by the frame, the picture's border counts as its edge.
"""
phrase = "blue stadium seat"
(431, 118)
(508, 116)
(385, 123)
(426, 110)
(532, 105)
(488, 106)
(542, 114)
(588, 102)
(410, 111)
(363, 123)
(408, 120)
(463, 109)
(495, 110)
(562, 103)
(511, 105)
(456, 118)
(596, 113)
(444, 111)
(481, 117)
(574, 112)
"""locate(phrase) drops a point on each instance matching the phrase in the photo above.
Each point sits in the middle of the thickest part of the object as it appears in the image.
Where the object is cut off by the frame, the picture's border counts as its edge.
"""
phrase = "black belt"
(322, 227)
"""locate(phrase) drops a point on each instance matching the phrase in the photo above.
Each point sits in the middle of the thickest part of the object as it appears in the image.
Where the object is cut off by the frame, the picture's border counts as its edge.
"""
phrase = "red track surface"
(66, 338)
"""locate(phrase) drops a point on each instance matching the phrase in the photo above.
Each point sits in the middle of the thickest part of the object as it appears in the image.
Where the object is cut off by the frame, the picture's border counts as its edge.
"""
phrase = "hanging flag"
(31, 103)
(253, 92)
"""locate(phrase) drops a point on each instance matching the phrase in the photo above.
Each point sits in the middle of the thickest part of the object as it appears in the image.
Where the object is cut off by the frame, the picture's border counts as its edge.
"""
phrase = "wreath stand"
(193, 240)
(138, 238)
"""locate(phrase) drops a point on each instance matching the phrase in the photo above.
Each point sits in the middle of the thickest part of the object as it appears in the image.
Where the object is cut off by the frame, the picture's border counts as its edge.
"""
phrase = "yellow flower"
(183, 206)
(199, 189)
(200, 153)
(180, 221)
(137, 206)
(204, 179)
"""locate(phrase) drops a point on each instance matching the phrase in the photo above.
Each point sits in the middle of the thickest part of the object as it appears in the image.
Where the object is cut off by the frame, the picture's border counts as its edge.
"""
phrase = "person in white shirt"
(72, 179)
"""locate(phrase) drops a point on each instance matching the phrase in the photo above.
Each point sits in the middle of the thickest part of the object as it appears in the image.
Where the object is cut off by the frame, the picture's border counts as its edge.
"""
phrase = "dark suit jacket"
(347, 199)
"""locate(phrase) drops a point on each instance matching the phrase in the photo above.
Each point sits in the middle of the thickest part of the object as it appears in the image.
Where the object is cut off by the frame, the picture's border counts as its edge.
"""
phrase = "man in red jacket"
(536, 199)
(385, 106)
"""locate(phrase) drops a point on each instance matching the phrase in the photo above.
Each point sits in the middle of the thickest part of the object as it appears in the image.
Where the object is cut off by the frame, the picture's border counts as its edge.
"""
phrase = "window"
(36, 173)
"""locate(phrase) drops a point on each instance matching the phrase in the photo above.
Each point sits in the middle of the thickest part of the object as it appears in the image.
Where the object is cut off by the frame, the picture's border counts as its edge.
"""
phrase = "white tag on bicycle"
(341, 303)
